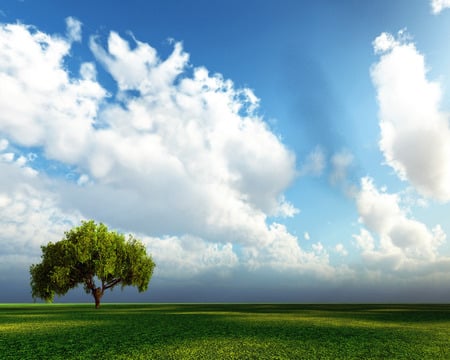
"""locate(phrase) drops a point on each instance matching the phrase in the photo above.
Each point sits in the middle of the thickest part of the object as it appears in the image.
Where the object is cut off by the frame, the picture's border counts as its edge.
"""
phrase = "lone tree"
(87, 255)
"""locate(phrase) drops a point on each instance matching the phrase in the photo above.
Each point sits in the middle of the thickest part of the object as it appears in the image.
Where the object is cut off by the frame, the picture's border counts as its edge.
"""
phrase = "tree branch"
(111, 283)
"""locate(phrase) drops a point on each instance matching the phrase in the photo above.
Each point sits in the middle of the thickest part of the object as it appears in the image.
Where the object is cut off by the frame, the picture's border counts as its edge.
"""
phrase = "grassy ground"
(224, 331)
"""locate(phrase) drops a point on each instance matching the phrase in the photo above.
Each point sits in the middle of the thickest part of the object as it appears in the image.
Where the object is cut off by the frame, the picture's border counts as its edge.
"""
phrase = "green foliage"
(225, 331)
(88, 253)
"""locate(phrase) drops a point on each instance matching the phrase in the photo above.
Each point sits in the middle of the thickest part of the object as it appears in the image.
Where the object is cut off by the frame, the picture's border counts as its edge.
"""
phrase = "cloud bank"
(181, 158)
(175, 154)
(415, 142)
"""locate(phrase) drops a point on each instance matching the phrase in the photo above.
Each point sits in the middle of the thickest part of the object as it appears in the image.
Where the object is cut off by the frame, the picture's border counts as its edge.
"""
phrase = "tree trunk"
(97, 293)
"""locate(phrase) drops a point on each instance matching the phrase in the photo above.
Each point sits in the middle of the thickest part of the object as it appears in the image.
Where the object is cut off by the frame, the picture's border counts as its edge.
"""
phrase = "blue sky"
(262, 151)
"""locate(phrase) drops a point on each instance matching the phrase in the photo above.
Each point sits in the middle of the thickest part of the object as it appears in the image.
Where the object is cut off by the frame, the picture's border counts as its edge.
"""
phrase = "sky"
(263, 151)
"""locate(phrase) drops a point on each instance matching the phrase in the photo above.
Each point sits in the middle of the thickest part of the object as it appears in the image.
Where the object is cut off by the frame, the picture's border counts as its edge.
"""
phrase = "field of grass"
(224, 331)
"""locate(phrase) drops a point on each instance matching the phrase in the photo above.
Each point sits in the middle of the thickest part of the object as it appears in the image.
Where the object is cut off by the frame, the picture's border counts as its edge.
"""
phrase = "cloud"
(340, 162)
(3, 144)
(340, 249)
(73, 29)
(438, 5)
(384, 42)
(314, 164)
(404, 243)
(30, 217)
(19, 161)
(197, 133)
(177, 155)
(415, 134)
(318, 247)
(186, 256)
(283, 254)
(40, 104)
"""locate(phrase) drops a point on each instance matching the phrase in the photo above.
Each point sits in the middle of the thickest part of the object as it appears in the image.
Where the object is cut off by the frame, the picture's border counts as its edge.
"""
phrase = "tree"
(90, 254)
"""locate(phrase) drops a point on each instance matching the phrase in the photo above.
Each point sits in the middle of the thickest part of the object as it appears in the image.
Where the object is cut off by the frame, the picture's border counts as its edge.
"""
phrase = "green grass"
(224, 331)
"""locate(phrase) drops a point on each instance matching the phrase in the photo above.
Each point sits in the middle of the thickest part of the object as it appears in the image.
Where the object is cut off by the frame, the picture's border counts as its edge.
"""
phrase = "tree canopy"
(91, 255)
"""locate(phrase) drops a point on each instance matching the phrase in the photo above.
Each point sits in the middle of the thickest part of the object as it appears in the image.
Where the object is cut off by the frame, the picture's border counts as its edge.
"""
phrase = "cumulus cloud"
(415, 134)
(40, 104)
(384, 42)
(283, 253)
(403, 242)
(30, 217)
(439, 5)
(187, 256)
(178, 155)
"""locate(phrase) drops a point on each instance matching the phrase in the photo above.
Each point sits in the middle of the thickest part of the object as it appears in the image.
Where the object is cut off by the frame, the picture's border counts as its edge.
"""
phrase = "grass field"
(224, 331)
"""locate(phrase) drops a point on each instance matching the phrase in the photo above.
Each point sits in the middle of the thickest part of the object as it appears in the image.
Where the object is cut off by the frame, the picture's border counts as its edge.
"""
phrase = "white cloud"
(29, 215)
(314, 164)
(306, 236)
(340, 162)
(340, 249)
(438, 5)
(73, 29)
(7, 157)
(415, 134)
(318, 247)
(384, 42)
(415, 141)
(283, 253)
(365, 241)
(40, 104)
(3, 144)
(139, 68)
(190, 132)
(83, 180)
(403, 242)
(21, 161)
(285, 209)
(188, 256)
(178, 154)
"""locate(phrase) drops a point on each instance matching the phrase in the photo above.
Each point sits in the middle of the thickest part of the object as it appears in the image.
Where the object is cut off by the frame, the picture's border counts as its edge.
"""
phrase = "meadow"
(224, 331)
